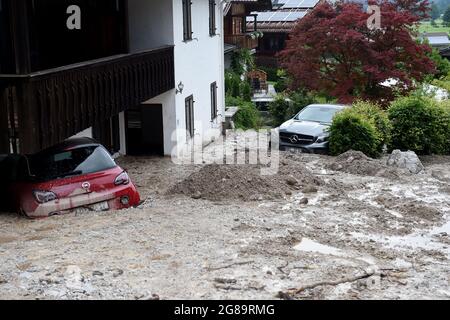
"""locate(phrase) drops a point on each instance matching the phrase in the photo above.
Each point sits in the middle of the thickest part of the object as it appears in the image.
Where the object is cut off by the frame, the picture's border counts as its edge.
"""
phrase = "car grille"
(295, 138)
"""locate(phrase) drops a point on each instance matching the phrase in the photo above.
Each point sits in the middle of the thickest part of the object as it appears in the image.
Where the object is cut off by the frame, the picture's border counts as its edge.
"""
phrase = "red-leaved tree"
(332, 50)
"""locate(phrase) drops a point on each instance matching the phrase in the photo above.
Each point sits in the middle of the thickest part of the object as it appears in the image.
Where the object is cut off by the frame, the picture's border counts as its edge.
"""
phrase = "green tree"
(434, 12)
(442, 65)
(446, 17)
(242, 61)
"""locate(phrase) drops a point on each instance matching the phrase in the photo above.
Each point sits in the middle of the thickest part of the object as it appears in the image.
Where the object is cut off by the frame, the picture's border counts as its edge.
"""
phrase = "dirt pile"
(356, 162)
(411, 209)
(245, 182)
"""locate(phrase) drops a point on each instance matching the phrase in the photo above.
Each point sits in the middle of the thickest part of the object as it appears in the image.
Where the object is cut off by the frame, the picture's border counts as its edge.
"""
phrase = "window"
(75, 162)
(187, 20)
(213, 100)
(189, 104)
(212, 17)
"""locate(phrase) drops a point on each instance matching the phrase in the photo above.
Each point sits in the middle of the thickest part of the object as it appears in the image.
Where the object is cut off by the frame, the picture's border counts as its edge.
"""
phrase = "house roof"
(278, 21)
(253, 5)
(284, 18)
(436, 38)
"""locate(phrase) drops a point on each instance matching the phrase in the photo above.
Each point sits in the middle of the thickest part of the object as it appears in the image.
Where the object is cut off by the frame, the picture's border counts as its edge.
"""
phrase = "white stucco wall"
(198, 63)
(150, 24)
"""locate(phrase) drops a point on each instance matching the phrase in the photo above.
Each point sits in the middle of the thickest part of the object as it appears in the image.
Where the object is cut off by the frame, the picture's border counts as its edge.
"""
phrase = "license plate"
(101, 206)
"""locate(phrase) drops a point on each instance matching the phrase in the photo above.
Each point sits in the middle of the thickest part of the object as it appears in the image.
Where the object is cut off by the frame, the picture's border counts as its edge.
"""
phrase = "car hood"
(305, 127)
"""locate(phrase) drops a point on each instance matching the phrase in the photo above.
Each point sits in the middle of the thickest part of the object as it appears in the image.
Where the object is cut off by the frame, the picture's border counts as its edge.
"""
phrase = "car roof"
(68, 144)
(328, 105)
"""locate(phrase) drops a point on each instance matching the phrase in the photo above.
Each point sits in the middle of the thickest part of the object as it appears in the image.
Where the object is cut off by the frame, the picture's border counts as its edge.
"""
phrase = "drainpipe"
(222, 58)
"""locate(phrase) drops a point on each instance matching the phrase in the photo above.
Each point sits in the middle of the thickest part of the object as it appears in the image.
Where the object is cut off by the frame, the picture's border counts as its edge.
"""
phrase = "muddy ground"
(322, 228)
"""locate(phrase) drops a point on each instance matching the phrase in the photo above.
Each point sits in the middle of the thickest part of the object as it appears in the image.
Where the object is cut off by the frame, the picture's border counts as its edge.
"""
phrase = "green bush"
(279, 109)
(281, 85)
(232, 84)
(375, 114)
(420, 124)
(242, 61)
(248, 116)
(353, 131)
(246, 91)
(285, 106)
(442, 65)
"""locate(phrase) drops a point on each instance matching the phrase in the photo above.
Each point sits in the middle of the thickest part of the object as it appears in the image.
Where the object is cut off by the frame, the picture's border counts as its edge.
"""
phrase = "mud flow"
(345, 227)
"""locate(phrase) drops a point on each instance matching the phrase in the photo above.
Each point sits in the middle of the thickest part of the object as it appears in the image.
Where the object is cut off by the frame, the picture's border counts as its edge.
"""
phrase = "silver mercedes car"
(308, 130)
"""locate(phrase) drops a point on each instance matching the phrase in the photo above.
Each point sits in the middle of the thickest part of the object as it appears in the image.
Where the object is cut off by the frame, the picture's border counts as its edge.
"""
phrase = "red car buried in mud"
(76, 174)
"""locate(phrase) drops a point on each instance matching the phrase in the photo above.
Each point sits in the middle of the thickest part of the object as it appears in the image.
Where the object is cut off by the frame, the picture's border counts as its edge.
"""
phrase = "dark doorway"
(145, 134)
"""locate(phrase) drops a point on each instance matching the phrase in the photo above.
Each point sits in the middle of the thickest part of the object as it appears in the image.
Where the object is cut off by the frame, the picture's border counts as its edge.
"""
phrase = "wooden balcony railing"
(243, 41)
(43, 108)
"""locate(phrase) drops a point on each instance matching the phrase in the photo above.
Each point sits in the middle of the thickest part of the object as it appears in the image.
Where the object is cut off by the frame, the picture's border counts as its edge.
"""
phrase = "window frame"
(189, 116)
(214, 105)
(212, 18)
(187, 20)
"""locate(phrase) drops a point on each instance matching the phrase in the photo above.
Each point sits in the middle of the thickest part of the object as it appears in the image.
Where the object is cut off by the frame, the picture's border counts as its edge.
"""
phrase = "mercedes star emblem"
(294, 139)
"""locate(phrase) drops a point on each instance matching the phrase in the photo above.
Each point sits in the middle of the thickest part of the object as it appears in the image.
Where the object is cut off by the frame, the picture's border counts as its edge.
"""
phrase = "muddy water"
(179, 247)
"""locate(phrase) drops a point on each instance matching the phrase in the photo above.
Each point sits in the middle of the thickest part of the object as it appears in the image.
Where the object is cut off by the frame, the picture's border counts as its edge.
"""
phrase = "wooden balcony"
(40, 109)
(242, 41)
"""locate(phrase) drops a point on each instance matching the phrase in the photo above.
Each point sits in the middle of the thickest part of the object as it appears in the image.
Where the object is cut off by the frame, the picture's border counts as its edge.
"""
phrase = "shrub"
(246, 91)
(284, 107)
(442, 65)
(248, 116)
(353, 131)
(420, 124)
(278, 109)
(232, 84)
(281, 85)
(374, 113)
(242, 61)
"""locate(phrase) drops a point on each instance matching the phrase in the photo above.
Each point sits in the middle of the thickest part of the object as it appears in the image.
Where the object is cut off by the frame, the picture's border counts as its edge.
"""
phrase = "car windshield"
(71, 162)
(317, 114)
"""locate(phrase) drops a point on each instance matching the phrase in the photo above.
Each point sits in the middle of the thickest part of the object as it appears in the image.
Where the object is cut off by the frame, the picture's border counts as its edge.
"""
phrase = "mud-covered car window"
(70, 162)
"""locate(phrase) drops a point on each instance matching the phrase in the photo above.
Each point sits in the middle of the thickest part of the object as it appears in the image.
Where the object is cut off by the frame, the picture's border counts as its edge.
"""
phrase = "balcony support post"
(4, 130)
(27, 116)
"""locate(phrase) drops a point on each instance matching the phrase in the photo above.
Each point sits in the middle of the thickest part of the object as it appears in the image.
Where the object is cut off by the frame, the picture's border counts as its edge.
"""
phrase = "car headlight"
(44, 196)
(322, 139)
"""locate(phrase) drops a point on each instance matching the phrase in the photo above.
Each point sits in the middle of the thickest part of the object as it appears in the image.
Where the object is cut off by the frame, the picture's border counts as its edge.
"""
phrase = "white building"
(129, 73)
(199, 63)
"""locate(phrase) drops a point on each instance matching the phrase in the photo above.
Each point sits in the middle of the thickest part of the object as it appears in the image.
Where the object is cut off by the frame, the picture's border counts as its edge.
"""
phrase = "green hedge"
(351, 130)
(420, 124)
(377, 116)
(248, 116)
